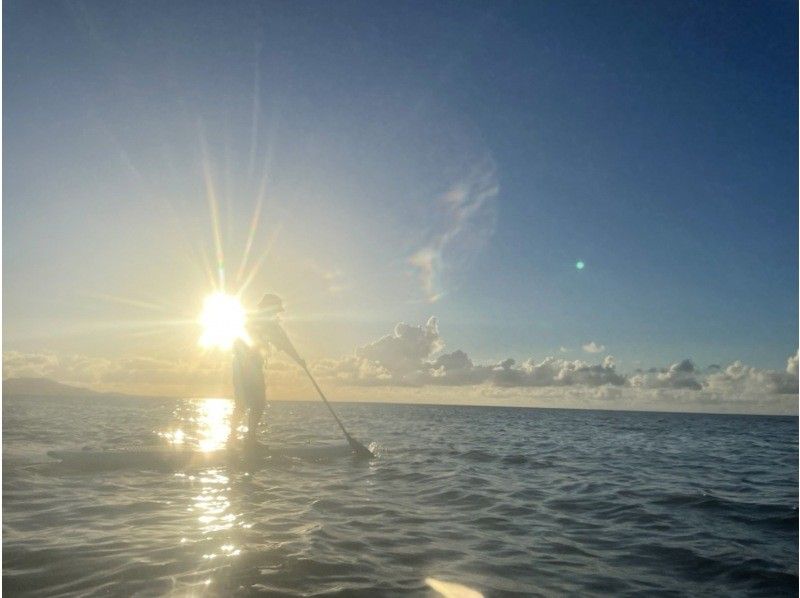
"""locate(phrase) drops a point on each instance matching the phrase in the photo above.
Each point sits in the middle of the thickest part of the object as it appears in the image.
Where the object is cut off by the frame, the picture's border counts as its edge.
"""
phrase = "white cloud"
(791, 365)
(411, 364)
(401, 358)
(593, 347)
(740, 379)
(460, 225)
(404, 351)
(553, 371)
(678, 375)
(733, 381)
(413, 357)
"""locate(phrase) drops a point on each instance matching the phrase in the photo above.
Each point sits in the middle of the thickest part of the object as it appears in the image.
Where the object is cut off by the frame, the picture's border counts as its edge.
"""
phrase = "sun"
(223, 321)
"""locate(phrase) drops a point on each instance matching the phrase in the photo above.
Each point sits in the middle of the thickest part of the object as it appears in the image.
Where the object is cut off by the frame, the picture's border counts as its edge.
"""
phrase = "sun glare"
(223, 321)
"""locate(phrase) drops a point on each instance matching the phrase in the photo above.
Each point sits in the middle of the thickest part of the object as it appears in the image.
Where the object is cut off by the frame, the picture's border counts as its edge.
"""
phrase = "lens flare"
(580, 265)
(223, 321)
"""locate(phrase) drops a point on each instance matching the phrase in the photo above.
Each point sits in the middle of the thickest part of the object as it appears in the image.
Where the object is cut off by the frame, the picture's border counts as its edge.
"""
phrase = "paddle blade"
(359, 449)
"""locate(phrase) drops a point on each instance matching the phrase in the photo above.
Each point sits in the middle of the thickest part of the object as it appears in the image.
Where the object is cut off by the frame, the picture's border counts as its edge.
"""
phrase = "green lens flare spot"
(579, 265)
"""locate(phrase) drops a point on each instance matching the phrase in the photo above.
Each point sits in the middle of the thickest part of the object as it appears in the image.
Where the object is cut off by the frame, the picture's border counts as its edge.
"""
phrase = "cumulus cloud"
(461, 224)
(412, 361)
(791, 365)
(682, 374)
(738, 379)
(413, 356)
(400, 358)
(734, 380)
(553, 371)
(406, 348)
(593, 347)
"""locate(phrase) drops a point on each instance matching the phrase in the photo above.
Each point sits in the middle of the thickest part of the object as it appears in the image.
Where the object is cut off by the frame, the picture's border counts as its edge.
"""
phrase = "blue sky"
(656, 141)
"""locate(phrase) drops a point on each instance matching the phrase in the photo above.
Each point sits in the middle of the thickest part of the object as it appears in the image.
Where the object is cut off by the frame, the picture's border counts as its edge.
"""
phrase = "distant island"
(45, 387)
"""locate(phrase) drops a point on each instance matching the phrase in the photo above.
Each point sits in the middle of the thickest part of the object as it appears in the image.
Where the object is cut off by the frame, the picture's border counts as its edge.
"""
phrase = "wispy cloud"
(461, 222)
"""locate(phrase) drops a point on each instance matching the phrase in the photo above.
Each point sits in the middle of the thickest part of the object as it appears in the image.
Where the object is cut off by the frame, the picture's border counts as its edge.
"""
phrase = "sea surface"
(505, 501)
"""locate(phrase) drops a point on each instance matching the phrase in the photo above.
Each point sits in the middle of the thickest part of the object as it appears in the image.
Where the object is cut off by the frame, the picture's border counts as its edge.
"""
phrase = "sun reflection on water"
(215, 514)
(174, 437)
(204, 424)
(213, 424)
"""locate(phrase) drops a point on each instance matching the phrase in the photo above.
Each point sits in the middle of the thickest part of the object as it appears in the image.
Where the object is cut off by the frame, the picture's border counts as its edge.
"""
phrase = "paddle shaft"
(359, 448)
(278, 338)
(327, 404)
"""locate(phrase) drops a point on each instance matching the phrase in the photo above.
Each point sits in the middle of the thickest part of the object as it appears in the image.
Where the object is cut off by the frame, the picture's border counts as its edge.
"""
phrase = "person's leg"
(236, 419)
(254, 417)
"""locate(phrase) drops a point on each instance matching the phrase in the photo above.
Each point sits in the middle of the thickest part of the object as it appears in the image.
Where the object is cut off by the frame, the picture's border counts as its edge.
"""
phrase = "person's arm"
(280, 340)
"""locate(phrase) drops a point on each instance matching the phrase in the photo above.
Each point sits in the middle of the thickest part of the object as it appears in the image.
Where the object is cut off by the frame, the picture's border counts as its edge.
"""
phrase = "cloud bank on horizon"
(414, 356)
(411, 363)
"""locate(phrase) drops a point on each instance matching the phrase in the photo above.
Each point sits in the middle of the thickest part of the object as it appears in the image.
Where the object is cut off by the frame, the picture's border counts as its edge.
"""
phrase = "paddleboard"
(155, 457)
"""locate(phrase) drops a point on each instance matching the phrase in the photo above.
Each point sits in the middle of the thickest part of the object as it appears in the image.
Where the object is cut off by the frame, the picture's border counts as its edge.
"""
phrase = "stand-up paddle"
(358, 448)
(276, 335)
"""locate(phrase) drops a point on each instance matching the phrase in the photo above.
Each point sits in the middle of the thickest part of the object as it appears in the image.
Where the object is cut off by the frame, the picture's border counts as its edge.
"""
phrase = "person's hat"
(271, 301)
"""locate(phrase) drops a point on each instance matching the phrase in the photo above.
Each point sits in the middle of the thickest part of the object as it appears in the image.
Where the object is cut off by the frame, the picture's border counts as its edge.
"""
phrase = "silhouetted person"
(249, 390)
(249, 365)
(267, 329)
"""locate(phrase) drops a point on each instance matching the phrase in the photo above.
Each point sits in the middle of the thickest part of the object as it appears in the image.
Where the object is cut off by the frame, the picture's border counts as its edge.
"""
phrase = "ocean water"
(505, 501)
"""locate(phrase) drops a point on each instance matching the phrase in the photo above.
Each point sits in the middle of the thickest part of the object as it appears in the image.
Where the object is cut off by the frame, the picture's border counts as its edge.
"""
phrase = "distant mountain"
(43, 387)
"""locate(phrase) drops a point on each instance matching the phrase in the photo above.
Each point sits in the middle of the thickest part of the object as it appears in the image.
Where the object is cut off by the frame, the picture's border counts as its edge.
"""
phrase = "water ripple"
(507, 502)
